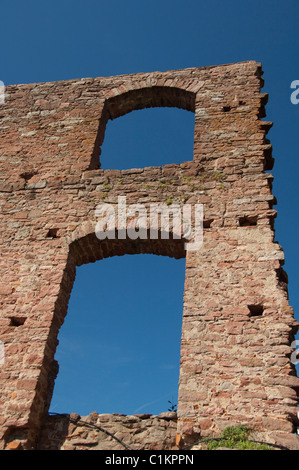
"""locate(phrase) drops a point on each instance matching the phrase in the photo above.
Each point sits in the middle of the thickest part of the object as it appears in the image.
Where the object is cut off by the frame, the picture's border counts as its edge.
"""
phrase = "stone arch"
(86, 248)
(121, 103)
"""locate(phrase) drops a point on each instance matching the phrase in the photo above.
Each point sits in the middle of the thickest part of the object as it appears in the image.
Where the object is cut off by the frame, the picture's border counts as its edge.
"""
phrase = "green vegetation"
(149, 186)
(217, 176)
(236, 437)
(107, 186)
(165, 182)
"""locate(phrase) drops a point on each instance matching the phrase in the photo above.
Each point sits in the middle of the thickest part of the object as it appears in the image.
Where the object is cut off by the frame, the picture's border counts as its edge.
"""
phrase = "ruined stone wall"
(110, 432)
(237, 323)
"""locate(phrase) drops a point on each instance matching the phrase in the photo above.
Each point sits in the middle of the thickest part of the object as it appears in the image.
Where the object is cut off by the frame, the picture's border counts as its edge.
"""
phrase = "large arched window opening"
(119, 348)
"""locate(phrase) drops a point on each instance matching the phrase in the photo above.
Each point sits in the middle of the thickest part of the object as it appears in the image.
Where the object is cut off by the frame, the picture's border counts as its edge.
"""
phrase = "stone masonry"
(237, 326)
(109, 432)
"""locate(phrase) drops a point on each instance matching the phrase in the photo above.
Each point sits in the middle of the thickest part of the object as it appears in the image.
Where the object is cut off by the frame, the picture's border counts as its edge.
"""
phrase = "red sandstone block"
(5, 290)
(34, 359)
(26, 384)
(235, 311)
(277, 424)
(6, 187)
(21, 215)
(205, 423)
(14, 445)
(112, 173)
(211, 304)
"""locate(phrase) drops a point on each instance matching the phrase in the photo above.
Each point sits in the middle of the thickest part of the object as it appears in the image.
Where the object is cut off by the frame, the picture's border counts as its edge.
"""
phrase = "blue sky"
(132, 363)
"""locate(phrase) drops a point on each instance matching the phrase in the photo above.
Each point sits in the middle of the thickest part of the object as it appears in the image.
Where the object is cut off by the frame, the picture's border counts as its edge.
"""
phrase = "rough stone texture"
(237, 323)
(137, 432)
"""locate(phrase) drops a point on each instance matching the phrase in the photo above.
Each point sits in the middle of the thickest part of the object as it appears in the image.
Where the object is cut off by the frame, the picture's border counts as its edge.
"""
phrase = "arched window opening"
(148, 137)
(119, 347)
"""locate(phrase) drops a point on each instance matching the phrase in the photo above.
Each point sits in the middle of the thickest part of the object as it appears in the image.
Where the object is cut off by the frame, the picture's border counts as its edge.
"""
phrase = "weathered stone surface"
(118, 432)
(237, 323)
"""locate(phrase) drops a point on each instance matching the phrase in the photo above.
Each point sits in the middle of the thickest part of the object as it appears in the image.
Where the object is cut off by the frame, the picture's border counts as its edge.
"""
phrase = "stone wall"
(237, 322)
(109, 432)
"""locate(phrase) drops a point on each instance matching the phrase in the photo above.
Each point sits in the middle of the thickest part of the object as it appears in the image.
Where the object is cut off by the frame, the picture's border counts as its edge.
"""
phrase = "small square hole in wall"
(226, 109)
(248, 221)
(207, 223)
(28, 175)
(52, 233)
(17, 321)
(256, 310)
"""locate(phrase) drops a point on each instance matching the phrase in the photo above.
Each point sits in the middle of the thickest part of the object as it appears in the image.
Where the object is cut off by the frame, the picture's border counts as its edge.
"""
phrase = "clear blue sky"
(132, 364)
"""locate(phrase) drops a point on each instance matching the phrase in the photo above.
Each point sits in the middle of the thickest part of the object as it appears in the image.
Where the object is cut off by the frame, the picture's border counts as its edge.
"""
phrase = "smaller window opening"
(248, 221)
(17, 321)
(256, 310)
(148, 137)
(226, 109)
(52, 233)
(242, 103)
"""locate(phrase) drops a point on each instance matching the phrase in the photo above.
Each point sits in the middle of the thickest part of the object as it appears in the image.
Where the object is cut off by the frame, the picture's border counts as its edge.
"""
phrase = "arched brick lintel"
(151, 97)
